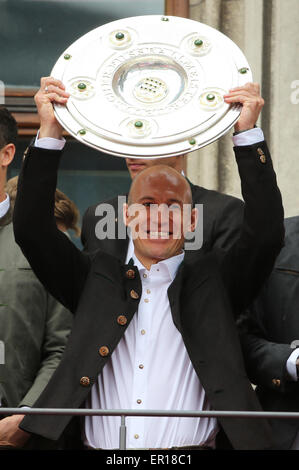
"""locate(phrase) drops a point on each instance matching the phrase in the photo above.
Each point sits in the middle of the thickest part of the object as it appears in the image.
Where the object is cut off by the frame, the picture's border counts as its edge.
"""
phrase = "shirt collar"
(169, 265)
(4, 206)
(130, 251)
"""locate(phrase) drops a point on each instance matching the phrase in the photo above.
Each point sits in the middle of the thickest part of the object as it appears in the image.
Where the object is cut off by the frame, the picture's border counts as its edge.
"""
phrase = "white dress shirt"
(250, 137)
(150, 369)
(292, 366)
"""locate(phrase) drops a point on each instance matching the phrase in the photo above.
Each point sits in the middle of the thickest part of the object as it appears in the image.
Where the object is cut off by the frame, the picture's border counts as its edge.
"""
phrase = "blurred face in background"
(135, 165)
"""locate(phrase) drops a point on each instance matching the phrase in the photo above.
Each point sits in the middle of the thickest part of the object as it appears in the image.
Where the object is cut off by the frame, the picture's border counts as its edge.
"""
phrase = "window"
(33, 34)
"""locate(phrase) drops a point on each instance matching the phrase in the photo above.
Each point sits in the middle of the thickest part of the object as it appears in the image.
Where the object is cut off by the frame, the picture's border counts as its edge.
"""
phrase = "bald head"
(162, 179)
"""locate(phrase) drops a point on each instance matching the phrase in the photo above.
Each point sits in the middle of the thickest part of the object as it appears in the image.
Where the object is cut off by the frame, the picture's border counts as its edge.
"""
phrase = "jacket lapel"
(174, 292)
(120, 244)
(191, 270)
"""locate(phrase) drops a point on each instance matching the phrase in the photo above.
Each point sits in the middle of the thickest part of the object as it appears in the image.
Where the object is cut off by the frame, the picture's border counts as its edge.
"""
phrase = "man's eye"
(147, 204)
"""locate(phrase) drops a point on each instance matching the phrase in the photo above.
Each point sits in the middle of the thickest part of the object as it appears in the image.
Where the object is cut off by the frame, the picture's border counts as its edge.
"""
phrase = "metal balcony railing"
(153, 413)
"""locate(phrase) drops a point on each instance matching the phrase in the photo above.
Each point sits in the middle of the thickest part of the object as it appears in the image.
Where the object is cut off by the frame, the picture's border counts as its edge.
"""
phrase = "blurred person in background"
(34, 327)
(270, 340)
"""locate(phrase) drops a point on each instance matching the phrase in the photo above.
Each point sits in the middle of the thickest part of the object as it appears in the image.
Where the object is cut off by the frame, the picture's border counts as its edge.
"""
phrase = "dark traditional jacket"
(209, 291)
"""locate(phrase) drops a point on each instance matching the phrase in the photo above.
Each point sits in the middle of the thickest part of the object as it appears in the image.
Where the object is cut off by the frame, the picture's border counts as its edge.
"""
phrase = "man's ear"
(194, 219)
(126, 214)
(7, 154)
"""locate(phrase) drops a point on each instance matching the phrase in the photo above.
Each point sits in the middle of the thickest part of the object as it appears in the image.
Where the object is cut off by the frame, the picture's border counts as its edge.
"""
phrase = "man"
(270, 338)
(34, 327)
(181, 353)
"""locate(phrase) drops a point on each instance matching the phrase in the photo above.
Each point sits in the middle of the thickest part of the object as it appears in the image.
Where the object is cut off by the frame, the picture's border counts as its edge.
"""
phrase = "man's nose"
(159, 215)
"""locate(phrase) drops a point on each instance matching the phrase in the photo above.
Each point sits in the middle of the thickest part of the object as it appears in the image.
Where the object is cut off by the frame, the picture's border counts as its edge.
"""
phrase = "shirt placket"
(141, 365)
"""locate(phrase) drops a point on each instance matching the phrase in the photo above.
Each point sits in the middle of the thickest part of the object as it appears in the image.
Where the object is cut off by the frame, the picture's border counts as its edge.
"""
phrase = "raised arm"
(249, 262)
(59, 265)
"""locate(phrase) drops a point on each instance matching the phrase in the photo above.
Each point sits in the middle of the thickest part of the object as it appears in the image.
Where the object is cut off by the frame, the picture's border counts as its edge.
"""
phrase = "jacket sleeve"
(59, 265)
(246, 266)
(57, 329)
(265, 360)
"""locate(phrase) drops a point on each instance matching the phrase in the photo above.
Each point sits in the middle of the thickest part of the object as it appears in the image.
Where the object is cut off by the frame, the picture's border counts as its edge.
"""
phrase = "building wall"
(268, 34)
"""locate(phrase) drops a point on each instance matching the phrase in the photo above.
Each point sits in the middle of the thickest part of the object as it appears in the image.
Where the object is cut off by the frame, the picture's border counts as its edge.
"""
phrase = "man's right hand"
(51, 91)
(10, 433)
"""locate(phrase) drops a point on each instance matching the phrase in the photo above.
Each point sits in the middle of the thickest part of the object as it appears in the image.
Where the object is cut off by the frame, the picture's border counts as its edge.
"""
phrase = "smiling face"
(156, 214)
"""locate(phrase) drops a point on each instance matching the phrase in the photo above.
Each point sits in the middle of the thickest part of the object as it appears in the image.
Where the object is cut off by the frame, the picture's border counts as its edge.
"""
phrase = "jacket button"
(276, 382)
(85, 381)
(134, 294)
(130, 274)
(262, 155)
(104, 351)
(263, 158)
(122, 320)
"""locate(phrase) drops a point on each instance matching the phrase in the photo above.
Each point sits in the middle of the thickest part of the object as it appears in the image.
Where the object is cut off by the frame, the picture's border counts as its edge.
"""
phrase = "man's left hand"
(252, 104)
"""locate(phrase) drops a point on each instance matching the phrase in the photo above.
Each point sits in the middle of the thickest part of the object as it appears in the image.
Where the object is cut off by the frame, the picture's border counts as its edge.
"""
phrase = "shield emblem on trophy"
(150, 86)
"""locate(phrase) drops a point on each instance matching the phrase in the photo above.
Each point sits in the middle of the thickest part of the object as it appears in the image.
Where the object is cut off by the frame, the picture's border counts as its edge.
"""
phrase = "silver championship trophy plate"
(150, 86)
